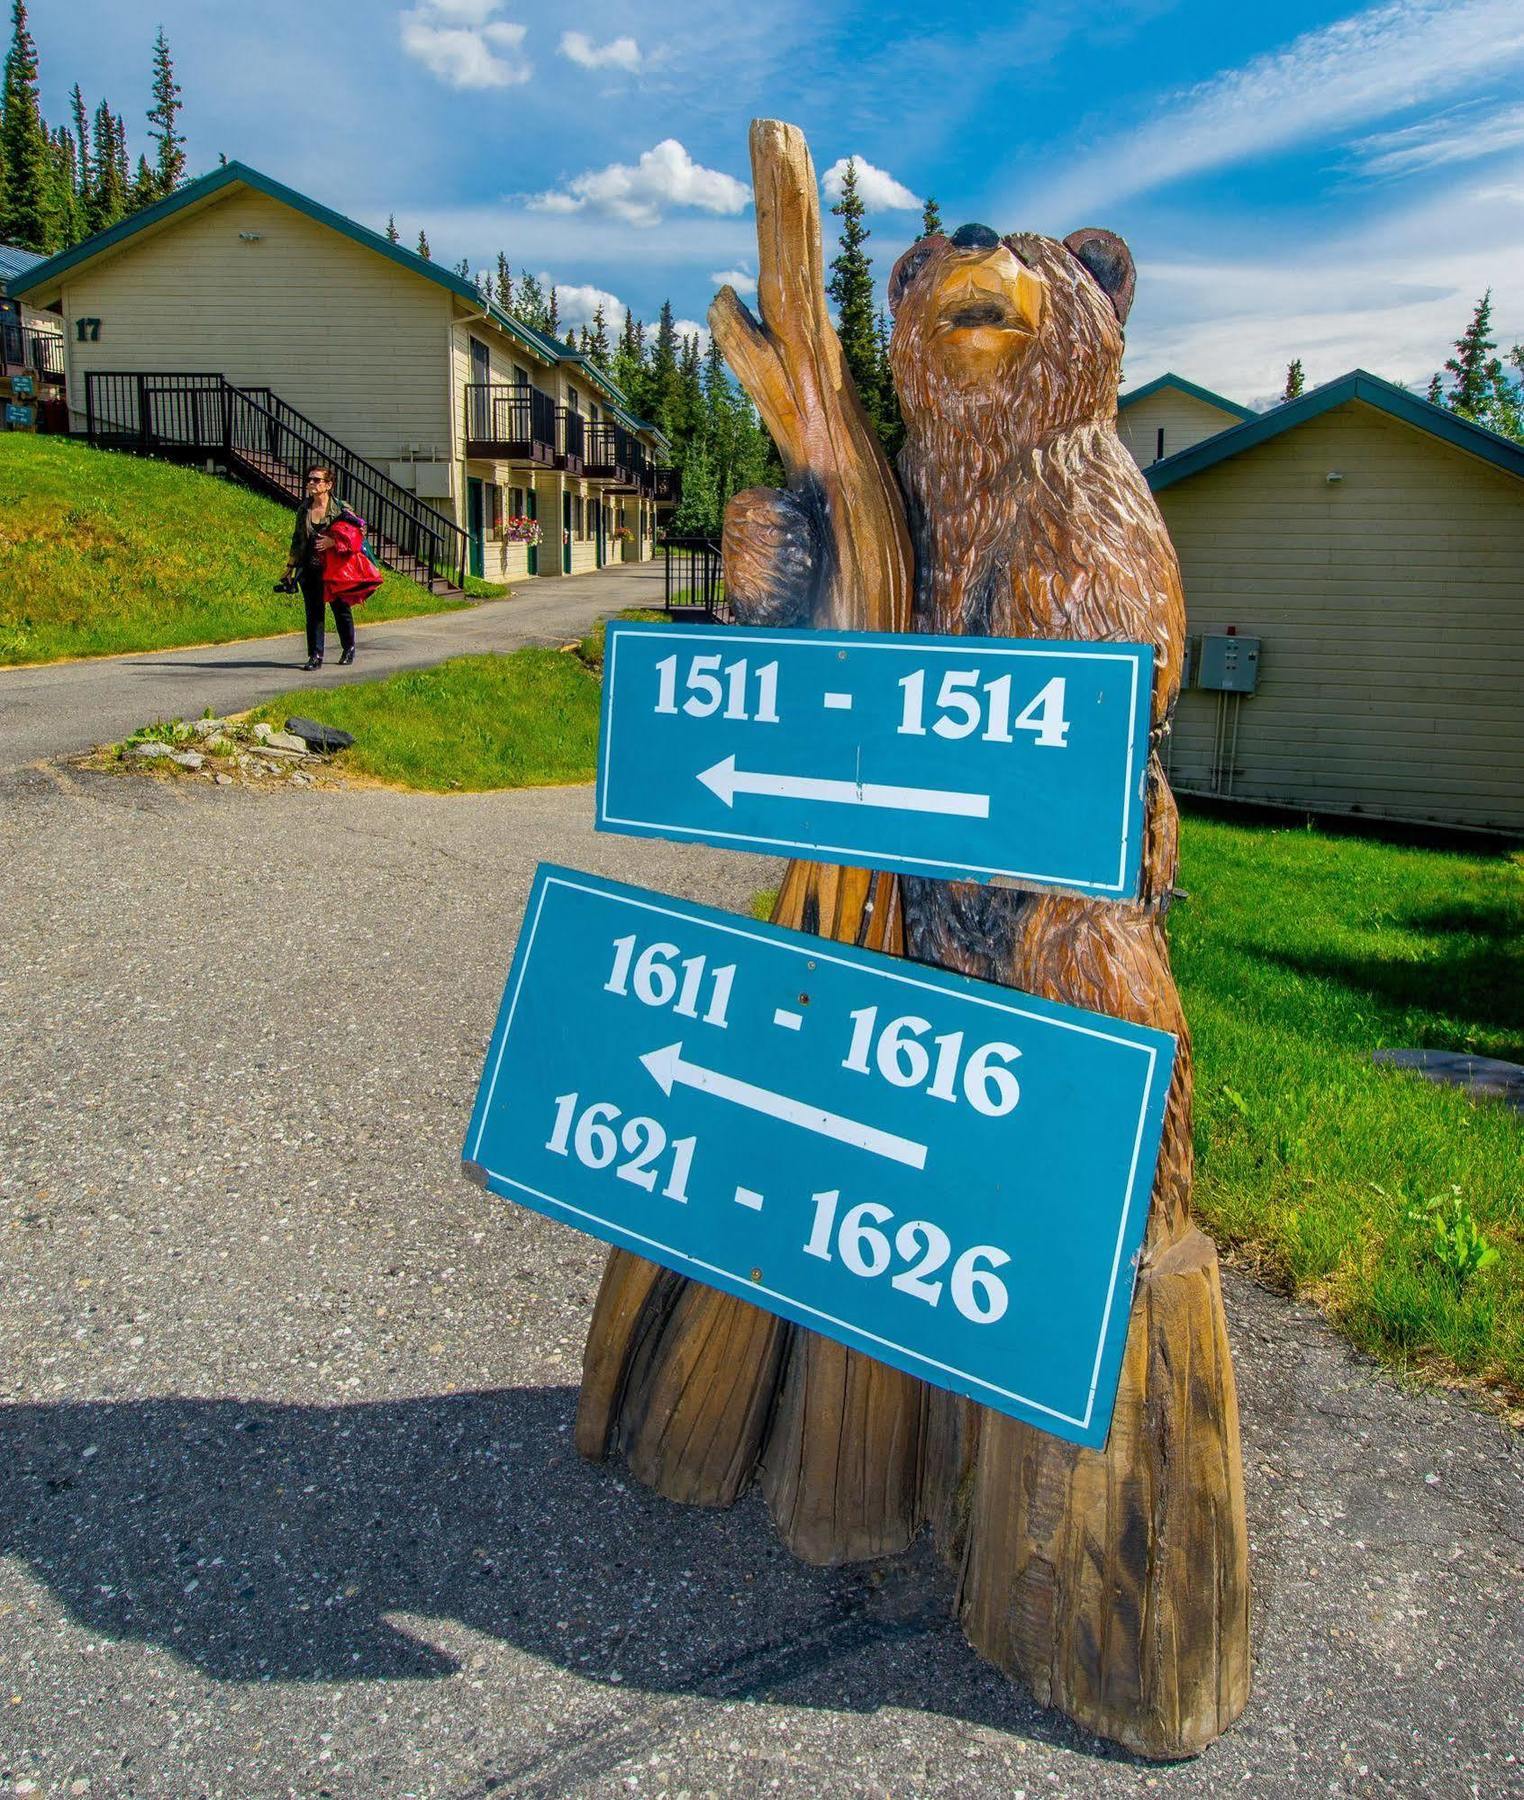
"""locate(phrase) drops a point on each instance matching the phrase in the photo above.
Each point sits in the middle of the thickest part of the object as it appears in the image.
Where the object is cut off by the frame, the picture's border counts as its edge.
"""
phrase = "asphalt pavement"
(55, 708)
(289, 1503)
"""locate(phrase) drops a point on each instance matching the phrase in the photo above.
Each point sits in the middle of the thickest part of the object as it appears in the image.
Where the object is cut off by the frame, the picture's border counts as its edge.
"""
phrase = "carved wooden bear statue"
(1114, 1582)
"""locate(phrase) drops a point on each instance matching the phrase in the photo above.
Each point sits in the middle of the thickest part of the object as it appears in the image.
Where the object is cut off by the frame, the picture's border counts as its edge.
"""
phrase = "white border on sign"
(821, 954)
(820, 640)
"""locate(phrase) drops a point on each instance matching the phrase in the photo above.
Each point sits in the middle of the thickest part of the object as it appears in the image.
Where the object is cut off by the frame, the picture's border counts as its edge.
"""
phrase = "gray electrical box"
(1229, 664)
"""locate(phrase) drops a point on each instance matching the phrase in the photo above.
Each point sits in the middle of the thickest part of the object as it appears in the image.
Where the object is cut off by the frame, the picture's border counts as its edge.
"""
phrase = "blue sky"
(1294, 179)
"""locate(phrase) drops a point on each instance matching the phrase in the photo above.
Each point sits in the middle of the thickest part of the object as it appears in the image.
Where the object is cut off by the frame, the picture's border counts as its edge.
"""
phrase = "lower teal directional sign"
(950, 1176)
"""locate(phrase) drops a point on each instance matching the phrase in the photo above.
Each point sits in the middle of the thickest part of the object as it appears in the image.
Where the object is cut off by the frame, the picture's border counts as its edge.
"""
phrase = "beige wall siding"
(352, 340)
(1391, 609)
(1184, 419)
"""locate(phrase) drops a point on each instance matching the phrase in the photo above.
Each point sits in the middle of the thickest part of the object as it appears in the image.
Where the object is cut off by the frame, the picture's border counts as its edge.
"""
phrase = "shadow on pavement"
(263, 1542)
(168, 667)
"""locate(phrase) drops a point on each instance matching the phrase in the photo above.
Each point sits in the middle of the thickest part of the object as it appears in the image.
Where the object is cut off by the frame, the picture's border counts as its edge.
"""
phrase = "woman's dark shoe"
(313, 662)
(349, 655)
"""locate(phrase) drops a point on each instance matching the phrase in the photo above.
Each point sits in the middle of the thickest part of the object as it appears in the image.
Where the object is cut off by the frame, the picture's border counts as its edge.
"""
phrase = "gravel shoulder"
(290, 1506)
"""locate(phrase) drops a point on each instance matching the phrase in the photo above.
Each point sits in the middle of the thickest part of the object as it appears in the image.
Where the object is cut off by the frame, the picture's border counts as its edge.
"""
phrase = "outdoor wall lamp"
(1334, 475)
(250, 237)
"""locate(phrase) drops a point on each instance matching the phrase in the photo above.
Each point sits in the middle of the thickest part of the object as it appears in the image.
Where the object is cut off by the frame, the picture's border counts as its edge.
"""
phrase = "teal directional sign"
(950, 1176)
(976, 758)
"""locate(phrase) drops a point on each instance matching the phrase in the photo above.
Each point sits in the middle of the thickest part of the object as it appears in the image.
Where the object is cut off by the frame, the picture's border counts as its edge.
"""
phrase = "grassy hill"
(101, 552)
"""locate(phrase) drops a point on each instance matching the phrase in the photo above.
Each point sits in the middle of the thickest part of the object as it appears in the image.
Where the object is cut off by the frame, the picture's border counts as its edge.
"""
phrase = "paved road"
(288, 1502)
(65, 707)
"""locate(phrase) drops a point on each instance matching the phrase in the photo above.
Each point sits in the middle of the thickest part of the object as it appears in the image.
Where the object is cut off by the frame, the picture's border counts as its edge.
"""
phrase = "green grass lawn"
(101, 553)
(1299, 953)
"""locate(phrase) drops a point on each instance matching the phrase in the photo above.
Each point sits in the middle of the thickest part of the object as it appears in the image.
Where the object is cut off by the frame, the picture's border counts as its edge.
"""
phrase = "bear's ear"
(1110, 261)
(910, 265)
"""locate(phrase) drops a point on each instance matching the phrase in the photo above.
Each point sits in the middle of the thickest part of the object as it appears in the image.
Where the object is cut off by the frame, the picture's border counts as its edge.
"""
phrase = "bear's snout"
(995, 292)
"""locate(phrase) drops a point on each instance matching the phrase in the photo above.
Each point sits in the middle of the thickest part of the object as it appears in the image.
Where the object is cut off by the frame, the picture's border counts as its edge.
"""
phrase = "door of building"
(566, 534)
(598, 529)
(532, 511)
(476, 526)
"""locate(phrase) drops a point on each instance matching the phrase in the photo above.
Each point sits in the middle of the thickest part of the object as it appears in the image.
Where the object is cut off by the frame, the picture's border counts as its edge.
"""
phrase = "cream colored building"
(1374, 545)
(1169, 414)
(398, 360)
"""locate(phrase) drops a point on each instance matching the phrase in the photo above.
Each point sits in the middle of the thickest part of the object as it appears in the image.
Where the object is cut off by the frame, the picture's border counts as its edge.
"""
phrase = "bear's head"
(1022, 334)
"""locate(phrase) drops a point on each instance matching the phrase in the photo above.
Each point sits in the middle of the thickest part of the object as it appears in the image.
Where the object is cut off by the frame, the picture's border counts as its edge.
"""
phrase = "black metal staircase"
(269, 445)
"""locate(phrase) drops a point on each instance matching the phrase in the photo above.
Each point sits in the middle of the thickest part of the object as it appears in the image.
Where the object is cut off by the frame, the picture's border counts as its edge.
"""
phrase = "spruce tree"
(627, 365)
(931, 218)
(423, 245)
(391, 228)
(169, 162)
(463, 268)
(552, 312)
(145, 186)
(67, 208)
(531, 303)
(26, 212)
(503, 284)
(85, 179)
(596, 341)
(851, 287)
(659, 382)
(886, 411)
(1295, 381)
(1436, 394)
(108, 191)
(1471, 388)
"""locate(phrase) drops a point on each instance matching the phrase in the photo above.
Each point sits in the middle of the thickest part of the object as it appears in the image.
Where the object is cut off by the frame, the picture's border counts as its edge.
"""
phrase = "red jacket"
(349, 576)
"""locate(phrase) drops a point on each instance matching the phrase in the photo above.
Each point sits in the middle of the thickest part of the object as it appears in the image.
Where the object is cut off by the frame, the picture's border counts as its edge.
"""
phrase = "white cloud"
(665, 176)
(618, 53)
(463, 45)
(736, 278)
(577, 304)
(1363, 67)
(1390, 296)
(1459, 135)
(687, 328)
(876, 188)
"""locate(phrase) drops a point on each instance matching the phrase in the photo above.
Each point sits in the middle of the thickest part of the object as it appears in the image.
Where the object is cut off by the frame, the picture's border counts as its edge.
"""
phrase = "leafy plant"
(1455, 1238)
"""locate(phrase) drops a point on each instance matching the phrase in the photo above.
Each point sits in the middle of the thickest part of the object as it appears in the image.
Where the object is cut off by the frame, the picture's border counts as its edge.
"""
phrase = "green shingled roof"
(1185, 387)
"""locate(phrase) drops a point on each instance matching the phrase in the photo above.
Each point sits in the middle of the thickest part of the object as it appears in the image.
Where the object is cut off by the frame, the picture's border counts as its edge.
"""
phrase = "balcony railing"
(571, 439)
(666, 487)
(28, 348)
(608, 452)
(511, 422)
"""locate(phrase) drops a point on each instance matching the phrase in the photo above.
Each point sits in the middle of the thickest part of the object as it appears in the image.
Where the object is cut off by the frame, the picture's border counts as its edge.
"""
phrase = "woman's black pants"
(343, 616)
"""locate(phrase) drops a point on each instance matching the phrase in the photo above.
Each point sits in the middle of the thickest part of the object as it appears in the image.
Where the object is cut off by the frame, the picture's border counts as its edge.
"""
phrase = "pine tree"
(627, 365)
(85, 176)
(531, 303)
(552, 313)
(851, 287)
(68, 213)
(463, 268)
(391, 228)
(1470, 390)
(659, 383)
(1436, 393)
(1295, 381)
(931, 218)
(108, 191)
(597, 339)
(886, 413)
(145, 186)
(123, 155)
(26, 212)
(423, 244)
(503, 284)
(169, 163)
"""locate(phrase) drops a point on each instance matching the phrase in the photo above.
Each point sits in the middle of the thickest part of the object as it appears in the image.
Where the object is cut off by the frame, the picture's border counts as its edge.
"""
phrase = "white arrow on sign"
(726, 781)
(668, 1069)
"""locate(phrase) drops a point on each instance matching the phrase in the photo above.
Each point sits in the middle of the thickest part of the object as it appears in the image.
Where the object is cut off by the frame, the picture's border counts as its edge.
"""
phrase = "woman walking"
(310, 543)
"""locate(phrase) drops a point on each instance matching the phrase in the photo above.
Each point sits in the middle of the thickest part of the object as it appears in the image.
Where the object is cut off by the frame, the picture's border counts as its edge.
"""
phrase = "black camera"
(286, 585)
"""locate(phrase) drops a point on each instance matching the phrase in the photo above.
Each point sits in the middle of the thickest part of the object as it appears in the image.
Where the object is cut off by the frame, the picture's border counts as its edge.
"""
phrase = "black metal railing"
(510, 419)
(608, 451)
(27, 347)
(694, 577)
(571, 440)
(666, 486)
(260, 437)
